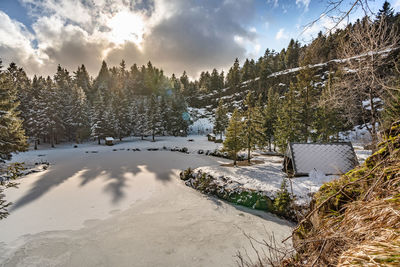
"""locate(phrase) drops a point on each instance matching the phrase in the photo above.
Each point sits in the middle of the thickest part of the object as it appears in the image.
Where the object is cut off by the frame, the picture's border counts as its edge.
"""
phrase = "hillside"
(355, 219)
(279, 80)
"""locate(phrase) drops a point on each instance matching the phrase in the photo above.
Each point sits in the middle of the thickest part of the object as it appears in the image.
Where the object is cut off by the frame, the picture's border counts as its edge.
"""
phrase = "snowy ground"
(124, 208)
(268, 176)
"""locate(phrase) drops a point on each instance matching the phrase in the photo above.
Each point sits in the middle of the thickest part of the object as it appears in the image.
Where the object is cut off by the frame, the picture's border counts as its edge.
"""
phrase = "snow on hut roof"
(109, 139)
(330, 158)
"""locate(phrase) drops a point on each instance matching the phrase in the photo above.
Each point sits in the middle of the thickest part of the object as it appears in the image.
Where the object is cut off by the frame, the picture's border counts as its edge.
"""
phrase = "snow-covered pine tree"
(132, 117)
(79, 113)
(121, 111)
(253, 133)
(221, 118)
(53, 123)
(37, 114)
(12, 134)
(234, 142)
(165, 109)
(64, 84)
(82, 79)
(141, 122)
(180, 118)
(154, 116)
(98, 118)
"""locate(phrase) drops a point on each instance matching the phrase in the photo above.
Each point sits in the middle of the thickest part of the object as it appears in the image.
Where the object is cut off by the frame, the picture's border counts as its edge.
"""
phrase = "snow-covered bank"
(124, 208)
(267, 177)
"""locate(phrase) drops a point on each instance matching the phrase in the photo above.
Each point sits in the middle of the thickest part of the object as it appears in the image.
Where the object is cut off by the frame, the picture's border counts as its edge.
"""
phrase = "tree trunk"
(52, 139)
(374, 134)
(98, 140)
(234, 158)
(35, 144)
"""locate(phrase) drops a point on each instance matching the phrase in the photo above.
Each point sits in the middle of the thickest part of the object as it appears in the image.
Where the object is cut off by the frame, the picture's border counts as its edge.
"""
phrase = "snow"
(268, 177)
(118, 206)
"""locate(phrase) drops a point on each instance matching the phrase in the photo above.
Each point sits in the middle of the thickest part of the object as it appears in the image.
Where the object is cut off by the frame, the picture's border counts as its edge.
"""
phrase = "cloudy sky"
(176, 35)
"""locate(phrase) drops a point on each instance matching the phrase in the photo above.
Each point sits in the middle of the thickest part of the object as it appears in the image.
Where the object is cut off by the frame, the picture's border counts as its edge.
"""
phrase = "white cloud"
(324, 24)
(304, 3)
(274, 2)
(281, 34)
(396, 5)
(16, 43)
(74, 32)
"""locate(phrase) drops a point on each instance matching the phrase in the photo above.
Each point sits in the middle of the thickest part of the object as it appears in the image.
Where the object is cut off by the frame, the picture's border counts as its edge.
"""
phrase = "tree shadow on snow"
(112, 167)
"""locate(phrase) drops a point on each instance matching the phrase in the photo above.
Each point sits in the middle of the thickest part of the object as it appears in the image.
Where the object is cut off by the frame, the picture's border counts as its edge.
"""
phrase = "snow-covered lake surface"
(124, 208)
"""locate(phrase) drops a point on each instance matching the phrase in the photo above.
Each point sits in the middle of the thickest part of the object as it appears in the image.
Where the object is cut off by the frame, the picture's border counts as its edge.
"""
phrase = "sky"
(175, 35)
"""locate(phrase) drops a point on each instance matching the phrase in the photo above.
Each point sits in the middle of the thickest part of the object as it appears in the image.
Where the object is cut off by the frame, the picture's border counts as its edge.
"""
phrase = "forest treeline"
(141, 100)
(348, 78)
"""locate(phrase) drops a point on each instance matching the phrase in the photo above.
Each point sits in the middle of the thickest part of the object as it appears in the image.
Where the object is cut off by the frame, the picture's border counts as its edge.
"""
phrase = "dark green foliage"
(12, 134)
(11, 173)
(283, 202)
(234, 141)
(233, 78)
(253, 131)
(221, 118)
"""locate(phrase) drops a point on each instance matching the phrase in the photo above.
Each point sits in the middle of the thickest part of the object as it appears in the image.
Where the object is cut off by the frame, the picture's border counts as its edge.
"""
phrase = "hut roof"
(329, 158)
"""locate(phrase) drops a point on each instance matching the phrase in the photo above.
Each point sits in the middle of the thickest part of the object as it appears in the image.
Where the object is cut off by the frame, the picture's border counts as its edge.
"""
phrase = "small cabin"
(211, 137)
(328, 158)
(109, 141)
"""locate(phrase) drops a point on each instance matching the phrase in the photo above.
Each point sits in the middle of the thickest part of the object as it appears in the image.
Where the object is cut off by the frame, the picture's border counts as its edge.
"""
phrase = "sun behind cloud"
(126, 26)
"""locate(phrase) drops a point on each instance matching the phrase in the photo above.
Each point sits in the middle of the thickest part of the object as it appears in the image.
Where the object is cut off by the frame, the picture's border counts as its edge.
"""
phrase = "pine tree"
(141, 123)
(292, 54)
(180, 118)
(98, 119)
(165, 109)
(184, 79)
(82, 80)
(79, 114)
(270, 116)
(234, 142)
(308, 91)
(288, 126)
(154, 116)
(132, 117)
(221, 118)
(215, 84)
(12, 135)
(53, 122)
(233, 77)
(36, 121)
(327, 120)
(121, 111)
(253, 133)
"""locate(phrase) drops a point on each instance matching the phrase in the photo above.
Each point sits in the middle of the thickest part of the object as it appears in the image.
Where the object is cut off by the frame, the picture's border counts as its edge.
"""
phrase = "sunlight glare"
(126, 26)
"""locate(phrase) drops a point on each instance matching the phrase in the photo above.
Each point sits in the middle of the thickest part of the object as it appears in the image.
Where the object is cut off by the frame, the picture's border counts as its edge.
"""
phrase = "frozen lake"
(124, 208)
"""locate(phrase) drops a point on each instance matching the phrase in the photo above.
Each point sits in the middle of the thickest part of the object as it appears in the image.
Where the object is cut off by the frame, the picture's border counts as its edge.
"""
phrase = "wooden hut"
(328, 158)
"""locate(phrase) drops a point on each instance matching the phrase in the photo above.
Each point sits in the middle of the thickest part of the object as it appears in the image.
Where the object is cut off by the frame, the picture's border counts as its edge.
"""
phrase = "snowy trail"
(123, 208)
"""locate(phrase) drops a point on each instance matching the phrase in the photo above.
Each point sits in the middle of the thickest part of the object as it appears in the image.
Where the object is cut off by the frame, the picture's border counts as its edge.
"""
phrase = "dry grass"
(356, 219)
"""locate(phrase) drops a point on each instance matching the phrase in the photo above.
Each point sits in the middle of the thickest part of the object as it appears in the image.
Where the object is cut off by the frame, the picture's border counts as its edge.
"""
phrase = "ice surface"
(119, 207)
